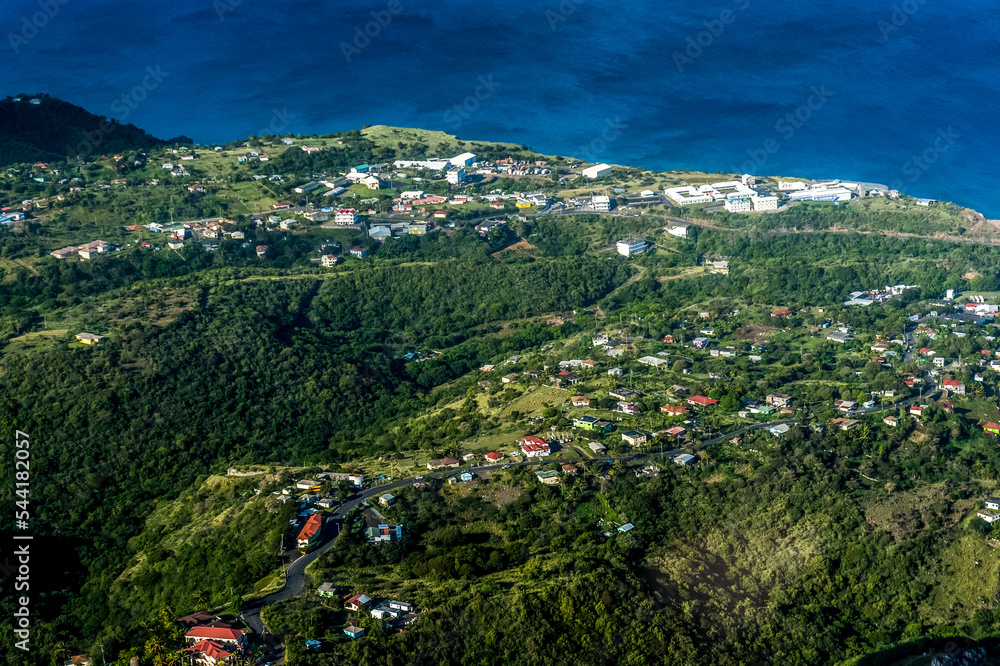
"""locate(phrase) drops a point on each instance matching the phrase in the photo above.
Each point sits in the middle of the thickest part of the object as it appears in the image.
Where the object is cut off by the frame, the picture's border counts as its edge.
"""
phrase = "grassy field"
(534, 403)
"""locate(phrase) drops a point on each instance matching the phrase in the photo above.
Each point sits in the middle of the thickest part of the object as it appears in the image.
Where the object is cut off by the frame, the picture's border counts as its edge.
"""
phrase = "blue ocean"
(901, 92)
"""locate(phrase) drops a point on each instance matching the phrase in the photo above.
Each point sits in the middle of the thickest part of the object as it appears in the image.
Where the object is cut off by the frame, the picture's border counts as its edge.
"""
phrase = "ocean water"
(899, 92)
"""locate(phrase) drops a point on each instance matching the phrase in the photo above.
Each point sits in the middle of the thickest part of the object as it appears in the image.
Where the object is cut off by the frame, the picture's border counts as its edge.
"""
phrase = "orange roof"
(217, 633)
(493, 455)
(533, 440)
(311, 527)
(209, 649)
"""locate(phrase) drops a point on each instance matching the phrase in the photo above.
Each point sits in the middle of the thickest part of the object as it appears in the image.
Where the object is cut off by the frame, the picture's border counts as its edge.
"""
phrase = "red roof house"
(494, 456)
(211, 651)
(701, 401)
(535, 447)
(781, 313)
(310, 532)
(224, 635)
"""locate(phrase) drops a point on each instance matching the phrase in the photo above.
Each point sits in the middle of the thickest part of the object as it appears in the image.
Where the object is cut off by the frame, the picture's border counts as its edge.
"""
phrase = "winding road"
(295, 577)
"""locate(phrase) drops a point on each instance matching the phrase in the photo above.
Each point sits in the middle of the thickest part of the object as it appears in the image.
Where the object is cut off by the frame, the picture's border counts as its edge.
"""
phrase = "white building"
(748, 180)
(346, 216)
(835, 193)
(790, 186)
(631, 246)
(765, 203)
(434, 164)
(738, 204)
(465, 159)
(372, 182)
(456, 175)
(412, 194)
(597, 171)
(687, 196)
(681, 230)
(601, 202)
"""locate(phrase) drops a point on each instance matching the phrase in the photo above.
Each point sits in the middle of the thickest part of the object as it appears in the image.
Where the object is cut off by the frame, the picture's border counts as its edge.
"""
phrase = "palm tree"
(59, 651)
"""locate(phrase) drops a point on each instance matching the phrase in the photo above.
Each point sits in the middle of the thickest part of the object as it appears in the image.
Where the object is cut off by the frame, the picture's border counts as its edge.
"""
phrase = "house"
(509, 378)
(354, 632)
(727, 352)
(947, 407)
(685, 459)
(634, 438)
(989, 516)
(992, 428)
(196, 619)
(359, 252)
(839, 337)
(227, 636)
(549, 477)
(310, 533)
(954, 385)
(89, 338)
(627, 527)
(592, 423)
(778, 400)
(494, 456)
(580, 401)
(387, 500)
(701, 401)
(779, 430)
(917, 410)
(382, 611)
(674, 410)
(571, 470)
(402, 606)
(626, 407)
(442, 463)
(653, 361)
(596, 447)
(261, 250)
(326, 590)
(383, 533)
(676, 432)
(844, 424)
(534, 447)
(78, 660)
(668, 339)
(328, 260)
(700, 343)
(207, 653)
(623, 393)
(566, 378)
(781, 313)
(357, 602)
(846, 406)
(891, 421)
(719, 267)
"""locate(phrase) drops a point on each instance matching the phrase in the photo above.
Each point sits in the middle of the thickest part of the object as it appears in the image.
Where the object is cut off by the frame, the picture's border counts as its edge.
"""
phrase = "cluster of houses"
(86, 251)
(395, 614)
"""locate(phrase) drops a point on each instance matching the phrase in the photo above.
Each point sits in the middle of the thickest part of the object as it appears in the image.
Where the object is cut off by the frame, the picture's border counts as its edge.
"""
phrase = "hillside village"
(700, 363)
